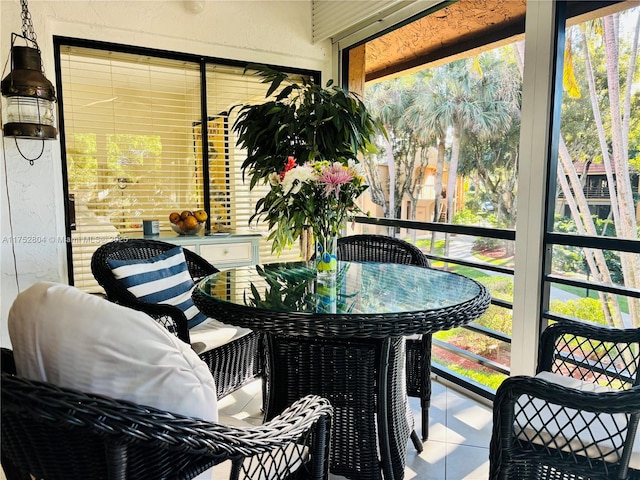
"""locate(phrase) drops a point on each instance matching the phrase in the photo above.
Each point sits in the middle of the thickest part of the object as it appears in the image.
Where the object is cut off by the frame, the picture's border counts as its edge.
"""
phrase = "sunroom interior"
(135, 80)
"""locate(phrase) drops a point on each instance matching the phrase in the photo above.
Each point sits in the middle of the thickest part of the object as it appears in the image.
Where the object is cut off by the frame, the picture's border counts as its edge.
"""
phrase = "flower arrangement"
(318, 194)
(304, 142)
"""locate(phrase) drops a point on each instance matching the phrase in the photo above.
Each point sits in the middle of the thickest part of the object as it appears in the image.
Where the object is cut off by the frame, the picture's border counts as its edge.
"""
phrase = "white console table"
(222, 250)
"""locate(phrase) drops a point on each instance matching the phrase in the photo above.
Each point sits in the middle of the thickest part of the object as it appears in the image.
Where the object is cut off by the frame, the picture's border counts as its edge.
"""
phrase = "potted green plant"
(304, 142)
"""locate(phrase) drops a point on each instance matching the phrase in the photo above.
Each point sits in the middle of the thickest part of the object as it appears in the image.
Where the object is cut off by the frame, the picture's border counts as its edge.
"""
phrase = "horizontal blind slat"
(134, 147)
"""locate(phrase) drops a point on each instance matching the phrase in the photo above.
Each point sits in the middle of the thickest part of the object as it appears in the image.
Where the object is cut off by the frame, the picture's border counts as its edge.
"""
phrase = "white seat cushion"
(566, 427)
(73, 339)
(212, 334)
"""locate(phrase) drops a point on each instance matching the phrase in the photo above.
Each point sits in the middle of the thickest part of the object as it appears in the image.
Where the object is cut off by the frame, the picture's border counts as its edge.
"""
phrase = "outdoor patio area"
(458, 445)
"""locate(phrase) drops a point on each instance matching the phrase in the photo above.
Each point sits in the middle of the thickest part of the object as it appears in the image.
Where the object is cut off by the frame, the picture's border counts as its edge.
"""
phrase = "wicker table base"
(364, 382)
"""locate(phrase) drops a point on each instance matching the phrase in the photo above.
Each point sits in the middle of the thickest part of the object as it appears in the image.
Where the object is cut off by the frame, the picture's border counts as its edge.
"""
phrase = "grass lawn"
(425, 245)
(500, 261)
(470, 272)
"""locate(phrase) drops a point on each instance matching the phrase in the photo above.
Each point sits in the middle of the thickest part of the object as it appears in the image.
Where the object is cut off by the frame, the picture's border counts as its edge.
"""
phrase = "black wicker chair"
(232, 364)
(60, 433)
(545, 427)
(381, 248)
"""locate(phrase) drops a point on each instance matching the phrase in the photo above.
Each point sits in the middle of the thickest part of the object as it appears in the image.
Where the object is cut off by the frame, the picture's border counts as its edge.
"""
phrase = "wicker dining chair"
(61, 433)
(578, 417)
(381, 248)
(233, 364)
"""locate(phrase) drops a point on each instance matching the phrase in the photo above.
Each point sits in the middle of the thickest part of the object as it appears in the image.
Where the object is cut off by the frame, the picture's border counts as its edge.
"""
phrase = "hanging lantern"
(28, 96)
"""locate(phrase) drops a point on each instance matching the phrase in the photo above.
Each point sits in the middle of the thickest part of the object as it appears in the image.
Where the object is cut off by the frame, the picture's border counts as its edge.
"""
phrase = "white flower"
(294, 178)
(356, 167)
(274, 179)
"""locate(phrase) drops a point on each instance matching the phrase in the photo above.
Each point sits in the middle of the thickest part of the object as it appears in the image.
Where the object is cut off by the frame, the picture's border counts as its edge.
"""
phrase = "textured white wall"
(263, 31)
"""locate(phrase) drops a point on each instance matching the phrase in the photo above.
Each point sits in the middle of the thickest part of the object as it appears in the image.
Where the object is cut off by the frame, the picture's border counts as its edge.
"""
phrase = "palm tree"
(462, 96)
(386, 103)
(429, 127)
(404, 149)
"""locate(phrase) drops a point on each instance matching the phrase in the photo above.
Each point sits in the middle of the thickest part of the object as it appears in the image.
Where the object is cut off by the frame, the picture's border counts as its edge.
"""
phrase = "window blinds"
(134, 150)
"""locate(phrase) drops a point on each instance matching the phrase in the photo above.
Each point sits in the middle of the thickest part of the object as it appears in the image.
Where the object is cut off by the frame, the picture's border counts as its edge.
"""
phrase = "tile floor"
(458, 445)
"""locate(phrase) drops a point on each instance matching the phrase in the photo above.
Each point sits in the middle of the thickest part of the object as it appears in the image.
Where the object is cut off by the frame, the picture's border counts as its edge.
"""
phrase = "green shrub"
(499, 286)
(495, 318)
(572, 259)
(481, 243)
(588, 309)
(468, 216)
(483, 377)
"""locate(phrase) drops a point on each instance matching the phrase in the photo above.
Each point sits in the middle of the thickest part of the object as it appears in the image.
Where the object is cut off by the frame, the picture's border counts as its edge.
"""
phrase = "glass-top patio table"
(343, 338)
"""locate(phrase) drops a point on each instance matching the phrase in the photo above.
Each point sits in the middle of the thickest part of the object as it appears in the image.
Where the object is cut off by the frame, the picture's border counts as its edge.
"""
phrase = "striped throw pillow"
(163, 279)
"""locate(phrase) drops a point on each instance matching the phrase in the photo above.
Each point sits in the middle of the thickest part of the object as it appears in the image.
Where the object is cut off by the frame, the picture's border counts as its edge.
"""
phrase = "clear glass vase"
(326, 254)
(326, 292)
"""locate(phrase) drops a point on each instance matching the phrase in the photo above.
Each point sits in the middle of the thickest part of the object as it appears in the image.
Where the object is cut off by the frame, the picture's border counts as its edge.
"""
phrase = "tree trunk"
(617, 164)
(392, 181)
(438, 190)
(451, 181)
(568, 179)
(626, 227)
(613, 317)
(453, 172)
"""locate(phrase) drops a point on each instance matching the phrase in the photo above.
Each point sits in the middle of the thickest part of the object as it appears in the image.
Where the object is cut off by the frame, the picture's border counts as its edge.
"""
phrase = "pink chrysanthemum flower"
(333, 177)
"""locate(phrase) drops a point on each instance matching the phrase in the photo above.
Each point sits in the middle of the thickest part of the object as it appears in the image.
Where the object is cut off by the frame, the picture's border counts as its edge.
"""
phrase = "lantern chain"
(27, 25)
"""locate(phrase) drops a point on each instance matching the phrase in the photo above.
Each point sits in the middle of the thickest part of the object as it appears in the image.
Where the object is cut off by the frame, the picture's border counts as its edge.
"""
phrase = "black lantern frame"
(28, 96)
